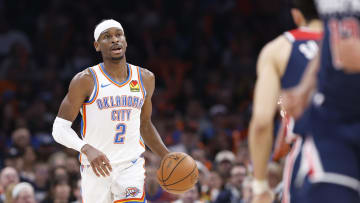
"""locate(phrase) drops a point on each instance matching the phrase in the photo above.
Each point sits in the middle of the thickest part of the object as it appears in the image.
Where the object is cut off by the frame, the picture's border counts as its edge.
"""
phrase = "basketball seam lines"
(174, 169)
(162, 171)
(183, 178)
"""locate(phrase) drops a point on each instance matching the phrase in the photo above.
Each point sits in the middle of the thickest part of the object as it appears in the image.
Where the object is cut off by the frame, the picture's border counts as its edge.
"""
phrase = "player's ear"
(298, 17)
(97, 46)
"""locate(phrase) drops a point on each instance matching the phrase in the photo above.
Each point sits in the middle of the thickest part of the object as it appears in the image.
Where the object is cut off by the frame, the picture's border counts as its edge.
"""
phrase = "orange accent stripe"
(97, 89)
(84, 120)
(142, 144)
(141, 89)
(115, 82)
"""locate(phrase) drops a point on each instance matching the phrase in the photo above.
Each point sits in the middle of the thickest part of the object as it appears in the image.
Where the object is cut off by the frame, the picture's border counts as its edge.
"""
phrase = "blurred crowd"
(203, 54)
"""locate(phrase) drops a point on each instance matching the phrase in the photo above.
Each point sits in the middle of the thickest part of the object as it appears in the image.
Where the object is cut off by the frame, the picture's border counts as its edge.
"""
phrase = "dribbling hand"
(98, 160)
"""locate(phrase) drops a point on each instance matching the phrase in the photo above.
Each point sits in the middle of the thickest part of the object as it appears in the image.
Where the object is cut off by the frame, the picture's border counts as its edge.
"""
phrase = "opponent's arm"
(80, 89)
(147, 129)
(348, 53)
(296, 99)
(271, 62)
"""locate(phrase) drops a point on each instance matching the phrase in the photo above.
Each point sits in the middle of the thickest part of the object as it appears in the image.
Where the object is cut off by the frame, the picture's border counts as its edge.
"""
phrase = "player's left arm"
(147, 129)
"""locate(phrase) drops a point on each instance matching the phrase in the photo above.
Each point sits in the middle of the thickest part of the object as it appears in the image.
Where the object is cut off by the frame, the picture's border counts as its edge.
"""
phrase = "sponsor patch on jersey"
(132, 191)
(134, 86)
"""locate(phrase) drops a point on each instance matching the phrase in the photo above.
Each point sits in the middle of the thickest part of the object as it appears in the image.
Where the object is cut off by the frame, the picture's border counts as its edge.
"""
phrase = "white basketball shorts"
(125, 184)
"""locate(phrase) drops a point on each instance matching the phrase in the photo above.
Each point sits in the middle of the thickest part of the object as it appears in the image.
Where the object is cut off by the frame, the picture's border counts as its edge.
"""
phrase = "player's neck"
(116, 69)
(314, 26)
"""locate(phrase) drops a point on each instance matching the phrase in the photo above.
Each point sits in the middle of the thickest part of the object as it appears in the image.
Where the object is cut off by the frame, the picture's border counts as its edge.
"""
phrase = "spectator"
(247, 190)
(14, 158)
(8, 37)
(233, 189)
(76, 191)
(23, 193)
(29, 158)
(215, 185)
(189, 140)
(190, 196)
(41, 182)
(8, 176)
(59, 192)
(21, 138)
(224, 162)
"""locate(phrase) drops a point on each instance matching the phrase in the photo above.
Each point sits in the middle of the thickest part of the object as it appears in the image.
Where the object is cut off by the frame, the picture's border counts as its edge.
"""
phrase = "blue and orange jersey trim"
(303, 34)
(114, 81)
(96, 81)
(143, 91)
(141, 141)
(83, 125)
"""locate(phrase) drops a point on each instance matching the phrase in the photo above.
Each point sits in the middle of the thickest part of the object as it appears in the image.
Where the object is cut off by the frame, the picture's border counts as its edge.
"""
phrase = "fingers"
(104, 168)
(93, 166)
(107, 163)
(101, 166)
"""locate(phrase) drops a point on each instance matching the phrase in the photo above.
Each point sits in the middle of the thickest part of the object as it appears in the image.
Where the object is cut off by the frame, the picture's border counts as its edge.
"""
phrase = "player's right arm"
(80, 89)
(270, 67)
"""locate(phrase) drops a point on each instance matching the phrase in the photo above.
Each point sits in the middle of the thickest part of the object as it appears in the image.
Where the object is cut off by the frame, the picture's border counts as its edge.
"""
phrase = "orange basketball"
(178, 173)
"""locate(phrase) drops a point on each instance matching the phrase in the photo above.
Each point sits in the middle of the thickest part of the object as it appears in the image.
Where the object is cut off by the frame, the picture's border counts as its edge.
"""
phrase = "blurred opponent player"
(327, 169)
(115, 102)
(280, 65)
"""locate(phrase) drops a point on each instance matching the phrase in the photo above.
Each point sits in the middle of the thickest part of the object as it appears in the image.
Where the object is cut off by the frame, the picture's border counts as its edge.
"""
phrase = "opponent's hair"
(307, 8)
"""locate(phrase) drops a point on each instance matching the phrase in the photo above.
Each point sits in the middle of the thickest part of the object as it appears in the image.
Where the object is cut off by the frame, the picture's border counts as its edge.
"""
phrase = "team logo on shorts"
(132, 192)
(134, 86)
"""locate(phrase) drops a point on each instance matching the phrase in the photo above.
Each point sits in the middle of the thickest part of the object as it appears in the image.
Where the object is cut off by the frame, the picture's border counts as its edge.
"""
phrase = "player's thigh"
(94, 189)
(129, 183)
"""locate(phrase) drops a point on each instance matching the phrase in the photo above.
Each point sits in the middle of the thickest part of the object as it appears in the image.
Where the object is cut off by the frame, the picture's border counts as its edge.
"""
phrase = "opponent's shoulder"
(275, 53)
(276, 44)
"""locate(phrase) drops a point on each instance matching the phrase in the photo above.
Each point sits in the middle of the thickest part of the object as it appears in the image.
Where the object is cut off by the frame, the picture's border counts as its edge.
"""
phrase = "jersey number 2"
(120, 133)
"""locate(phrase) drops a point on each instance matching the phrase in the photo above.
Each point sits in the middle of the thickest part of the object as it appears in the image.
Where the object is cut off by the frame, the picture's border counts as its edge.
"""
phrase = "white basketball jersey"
(111, 118)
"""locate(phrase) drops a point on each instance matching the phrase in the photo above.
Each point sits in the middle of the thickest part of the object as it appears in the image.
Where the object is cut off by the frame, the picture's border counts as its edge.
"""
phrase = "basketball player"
(114, 98)
(327, 168)
(280, 65)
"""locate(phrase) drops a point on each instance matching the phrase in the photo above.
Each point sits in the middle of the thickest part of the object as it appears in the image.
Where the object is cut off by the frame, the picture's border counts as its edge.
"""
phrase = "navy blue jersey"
(304, 48)
(339, 92)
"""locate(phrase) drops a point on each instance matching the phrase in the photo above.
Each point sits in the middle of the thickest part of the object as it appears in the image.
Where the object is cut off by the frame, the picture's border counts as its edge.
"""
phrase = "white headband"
(20, 187)
(104, 26)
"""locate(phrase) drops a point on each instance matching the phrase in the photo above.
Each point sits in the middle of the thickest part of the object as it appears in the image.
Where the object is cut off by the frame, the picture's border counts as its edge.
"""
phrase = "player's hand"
(294, 101)
(98, 161)
(266, 197)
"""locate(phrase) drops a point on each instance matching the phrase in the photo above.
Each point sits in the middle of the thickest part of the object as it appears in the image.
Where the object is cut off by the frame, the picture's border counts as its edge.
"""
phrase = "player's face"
(112, 44)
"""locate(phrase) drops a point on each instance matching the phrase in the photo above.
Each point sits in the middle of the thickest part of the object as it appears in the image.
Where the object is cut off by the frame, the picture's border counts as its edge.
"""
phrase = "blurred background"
(203, 54)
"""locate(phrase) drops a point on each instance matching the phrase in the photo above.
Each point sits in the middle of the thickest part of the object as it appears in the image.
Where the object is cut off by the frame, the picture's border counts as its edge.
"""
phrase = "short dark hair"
(307, 8)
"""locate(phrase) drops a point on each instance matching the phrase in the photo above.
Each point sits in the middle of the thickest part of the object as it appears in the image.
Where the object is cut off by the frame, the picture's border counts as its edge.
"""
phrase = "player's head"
(110, 40)
(303, 11)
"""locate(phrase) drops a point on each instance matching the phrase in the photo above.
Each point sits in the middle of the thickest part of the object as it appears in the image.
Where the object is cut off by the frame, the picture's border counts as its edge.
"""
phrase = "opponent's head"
(303, 11)
(110, 40)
